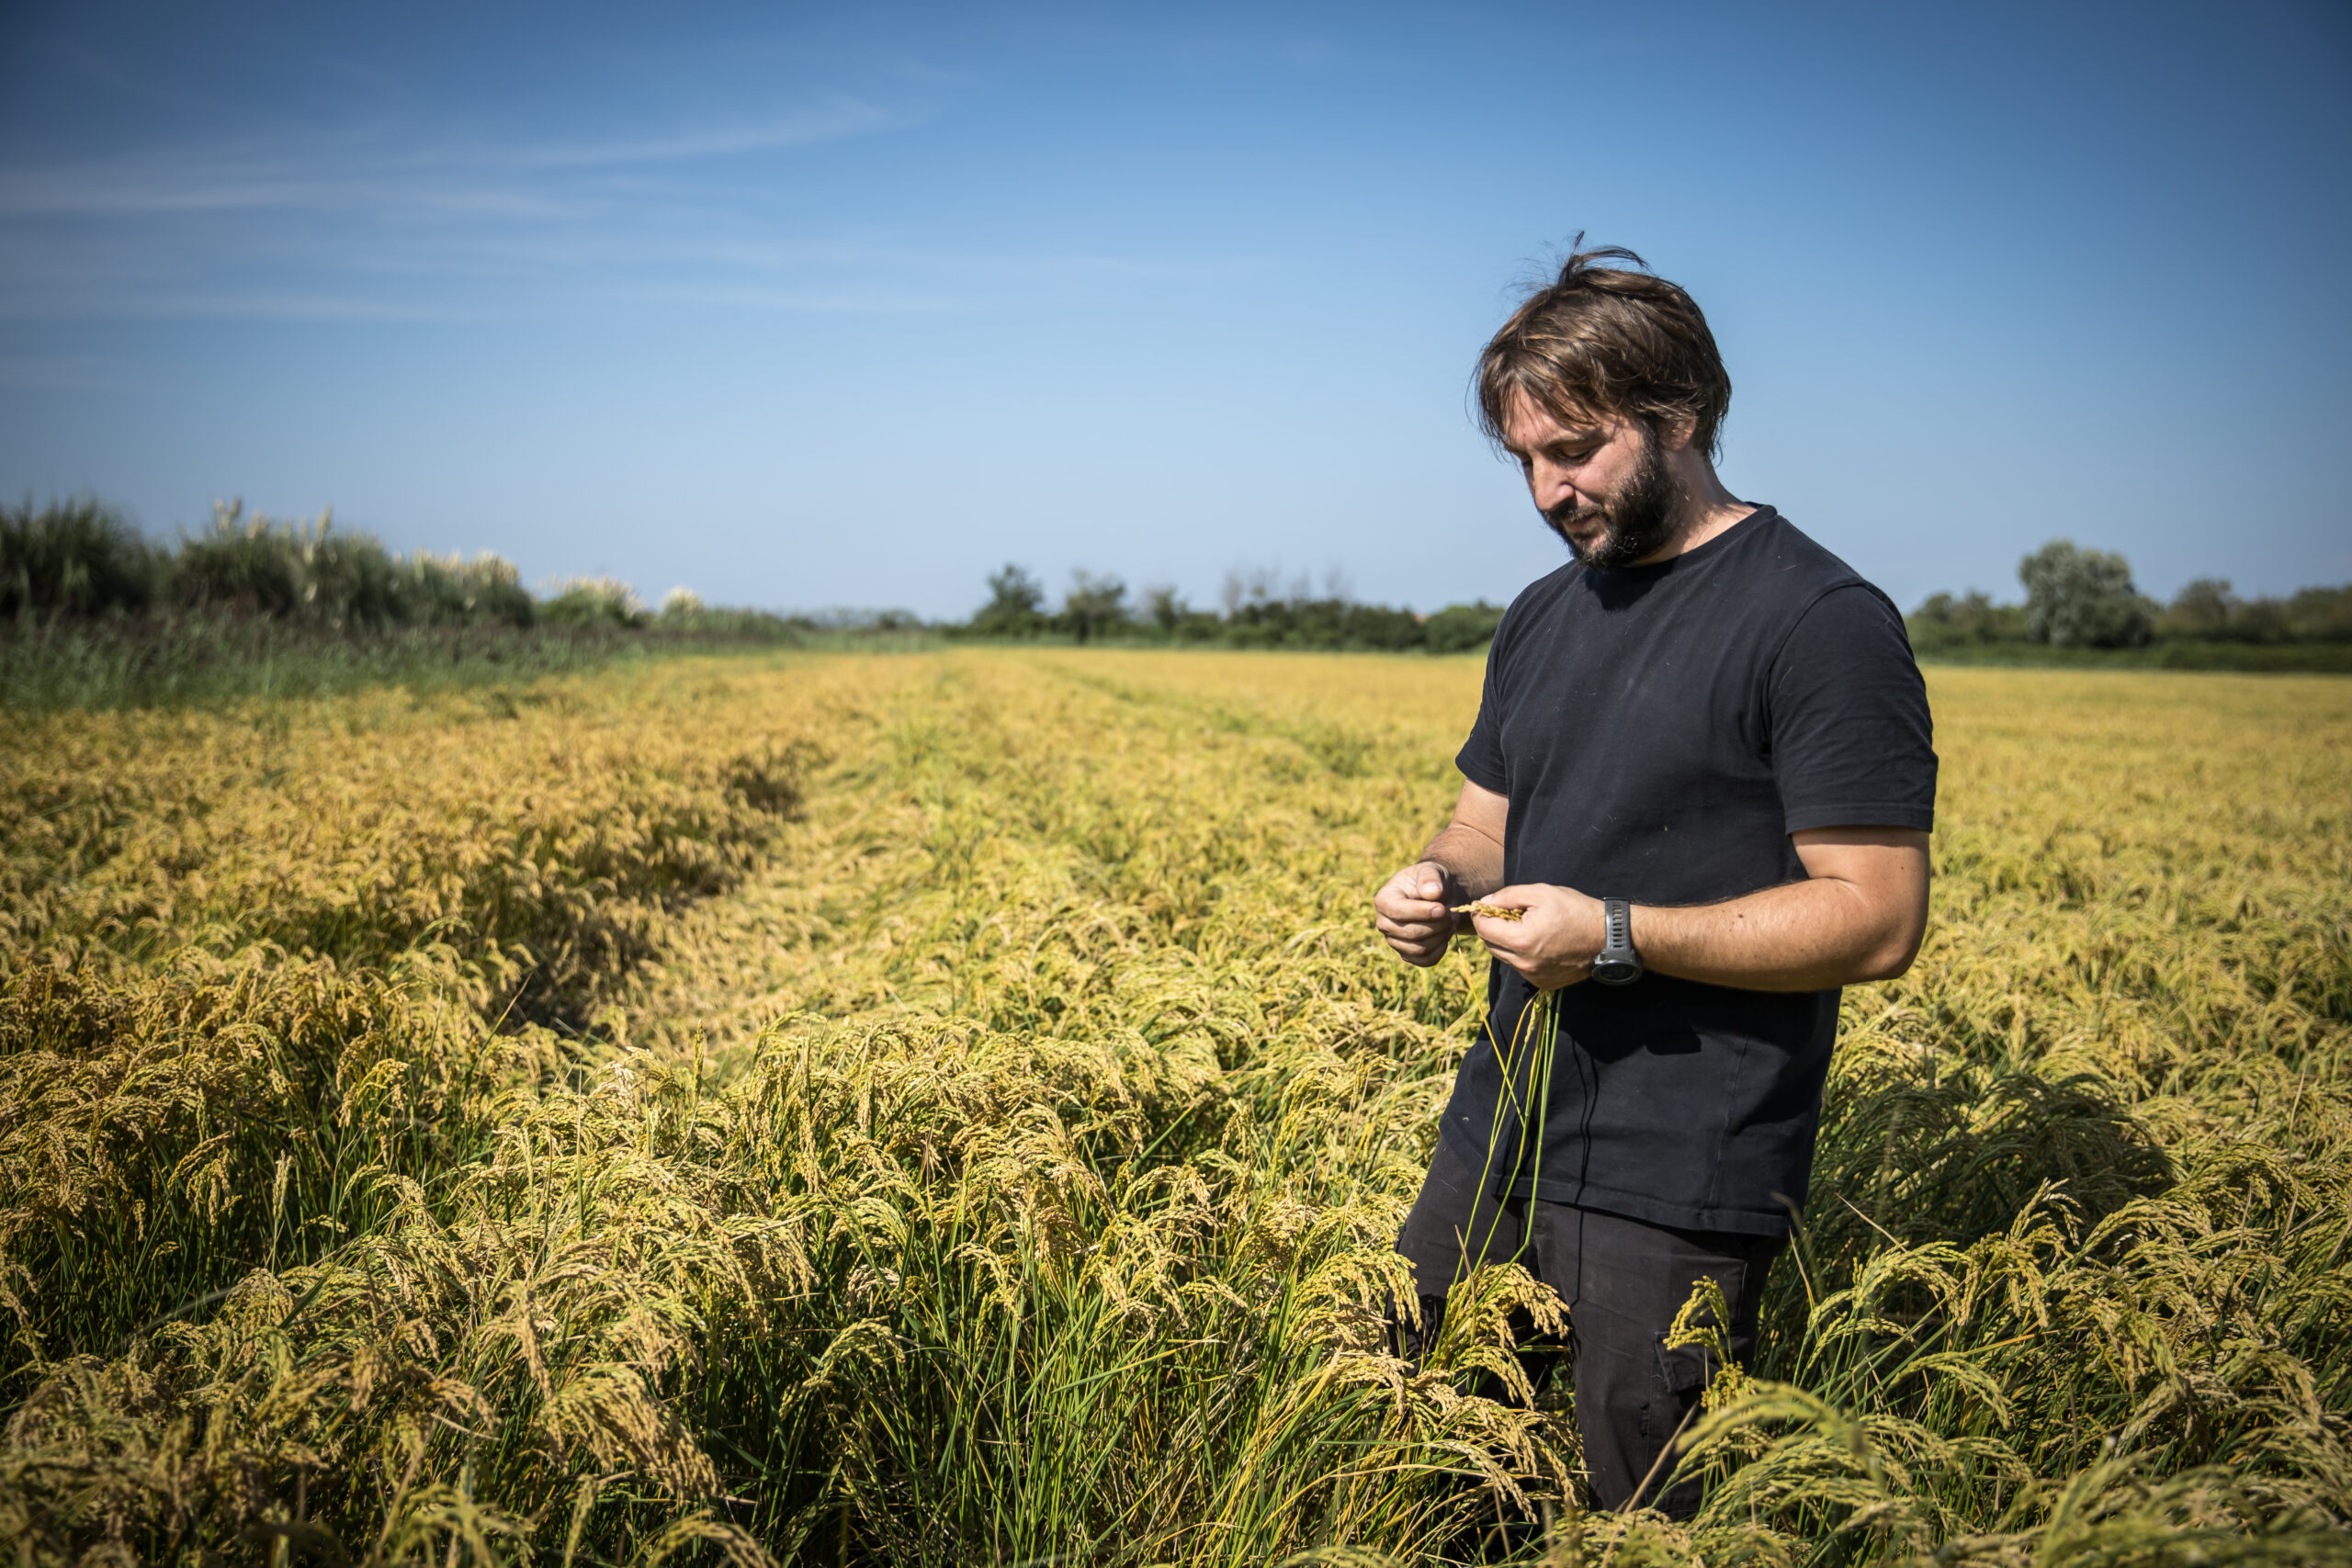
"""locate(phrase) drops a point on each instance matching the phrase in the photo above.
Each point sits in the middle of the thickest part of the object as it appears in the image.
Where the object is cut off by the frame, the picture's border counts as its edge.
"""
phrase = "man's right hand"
(1412, 912)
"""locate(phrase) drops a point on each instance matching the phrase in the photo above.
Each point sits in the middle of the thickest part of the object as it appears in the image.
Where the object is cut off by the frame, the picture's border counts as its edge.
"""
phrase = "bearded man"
(1702, 777)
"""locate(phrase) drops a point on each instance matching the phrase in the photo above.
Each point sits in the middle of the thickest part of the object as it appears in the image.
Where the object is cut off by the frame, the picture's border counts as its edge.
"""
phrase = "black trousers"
(1623, 1282)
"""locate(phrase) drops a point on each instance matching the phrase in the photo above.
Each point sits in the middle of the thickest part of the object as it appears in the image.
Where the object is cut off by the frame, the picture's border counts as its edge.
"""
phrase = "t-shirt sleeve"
(1852, 741)
(1481, 757)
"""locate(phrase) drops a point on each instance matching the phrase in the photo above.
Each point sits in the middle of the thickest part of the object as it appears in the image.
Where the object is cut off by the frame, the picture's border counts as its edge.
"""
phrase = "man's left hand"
(1554, 943)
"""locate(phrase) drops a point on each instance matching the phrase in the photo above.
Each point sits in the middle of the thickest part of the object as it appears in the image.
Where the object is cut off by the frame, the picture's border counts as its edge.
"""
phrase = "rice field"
(953, 1108)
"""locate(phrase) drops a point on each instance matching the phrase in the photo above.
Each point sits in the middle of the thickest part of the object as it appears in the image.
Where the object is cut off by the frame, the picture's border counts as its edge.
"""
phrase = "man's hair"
(1602, 340)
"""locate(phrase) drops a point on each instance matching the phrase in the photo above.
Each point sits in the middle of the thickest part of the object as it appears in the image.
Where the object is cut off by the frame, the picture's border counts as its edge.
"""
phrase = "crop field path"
(951, 1108)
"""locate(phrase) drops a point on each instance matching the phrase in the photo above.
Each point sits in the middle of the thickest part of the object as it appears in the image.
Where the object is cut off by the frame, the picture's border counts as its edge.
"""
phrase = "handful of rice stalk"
(1493, 911)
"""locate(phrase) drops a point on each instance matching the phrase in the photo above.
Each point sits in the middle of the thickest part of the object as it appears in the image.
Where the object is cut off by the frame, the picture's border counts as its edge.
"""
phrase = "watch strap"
(1617, 963)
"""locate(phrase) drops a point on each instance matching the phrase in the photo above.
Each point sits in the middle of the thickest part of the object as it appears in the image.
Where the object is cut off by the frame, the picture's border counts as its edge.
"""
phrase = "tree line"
(79, 562)
(2086, 598)
(1256, 611)
(78, 583)
(94, 613)
(81, 559)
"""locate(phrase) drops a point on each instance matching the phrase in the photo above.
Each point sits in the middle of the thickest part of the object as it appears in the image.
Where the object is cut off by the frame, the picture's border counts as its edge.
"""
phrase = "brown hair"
(1599, 341)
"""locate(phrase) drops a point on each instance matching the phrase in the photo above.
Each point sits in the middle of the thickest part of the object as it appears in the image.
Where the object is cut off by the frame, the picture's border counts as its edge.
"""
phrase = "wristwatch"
(1617, 964)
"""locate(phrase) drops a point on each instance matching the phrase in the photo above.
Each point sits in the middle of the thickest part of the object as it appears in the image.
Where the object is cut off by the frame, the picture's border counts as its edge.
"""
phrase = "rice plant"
(953, 1108)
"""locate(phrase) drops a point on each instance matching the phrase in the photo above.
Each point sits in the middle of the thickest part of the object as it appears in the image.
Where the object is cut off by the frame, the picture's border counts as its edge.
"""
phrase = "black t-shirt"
(1660, 731)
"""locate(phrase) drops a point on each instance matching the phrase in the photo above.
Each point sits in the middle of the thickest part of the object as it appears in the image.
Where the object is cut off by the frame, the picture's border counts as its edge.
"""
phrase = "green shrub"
(74, 556)
(310, 571)
(1459, 628)
(457, 591)
(1381, 627)
(250, 564)
(1016, 605)
(1942, 621)
(593, 602)
(2207, 610)
(1257, 615)
(2321, 615)
(2204, 608)
(1095, 607)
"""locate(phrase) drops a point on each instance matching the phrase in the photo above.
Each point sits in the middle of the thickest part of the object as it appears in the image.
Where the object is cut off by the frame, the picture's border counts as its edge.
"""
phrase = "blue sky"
(805, 306)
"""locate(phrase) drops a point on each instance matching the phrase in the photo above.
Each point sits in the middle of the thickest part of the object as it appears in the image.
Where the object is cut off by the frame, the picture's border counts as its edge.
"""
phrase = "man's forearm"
(1473, 862)
(1858, 915)
(1802, 936)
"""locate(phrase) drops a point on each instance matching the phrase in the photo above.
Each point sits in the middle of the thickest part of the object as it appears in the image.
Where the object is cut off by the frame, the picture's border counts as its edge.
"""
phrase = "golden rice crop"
(953, 1108)
(553, 827)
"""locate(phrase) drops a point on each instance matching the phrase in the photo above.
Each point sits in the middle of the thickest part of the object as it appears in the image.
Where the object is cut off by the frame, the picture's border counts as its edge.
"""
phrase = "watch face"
(1615, 971)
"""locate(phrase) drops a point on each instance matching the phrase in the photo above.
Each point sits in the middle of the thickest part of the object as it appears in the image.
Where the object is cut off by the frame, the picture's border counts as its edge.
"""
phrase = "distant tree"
(2078, 598)
(1016, 604)
(1164, 608)
(1093, 604)
(1249, 587)
(2204, 608)
(1168, 616)
(1378, 625)
(2262, 620)
(2321, 615)
(1942, 621)
(1458, 628)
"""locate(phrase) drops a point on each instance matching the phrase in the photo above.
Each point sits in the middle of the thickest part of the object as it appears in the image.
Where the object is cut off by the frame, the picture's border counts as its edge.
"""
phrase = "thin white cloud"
(831, 121)
(60, 372)
(371, 225)
(381, 171)
(782, 255)
(154, 185)
(287, 305)
(851, 301)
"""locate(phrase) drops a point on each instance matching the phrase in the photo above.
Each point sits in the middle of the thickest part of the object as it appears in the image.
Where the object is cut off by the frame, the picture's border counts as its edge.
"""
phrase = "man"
(1701, 772)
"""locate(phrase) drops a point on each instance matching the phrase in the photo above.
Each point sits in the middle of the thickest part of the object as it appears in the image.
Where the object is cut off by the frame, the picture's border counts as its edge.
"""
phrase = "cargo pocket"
(1676, 1378)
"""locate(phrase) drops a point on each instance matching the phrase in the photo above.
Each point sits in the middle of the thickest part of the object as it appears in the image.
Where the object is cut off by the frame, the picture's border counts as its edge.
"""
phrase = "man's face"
(1602, 487)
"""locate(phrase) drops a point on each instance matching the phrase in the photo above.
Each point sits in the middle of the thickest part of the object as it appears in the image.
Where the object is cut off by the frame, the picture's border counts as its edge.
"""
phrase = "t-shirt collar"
(1690, 558)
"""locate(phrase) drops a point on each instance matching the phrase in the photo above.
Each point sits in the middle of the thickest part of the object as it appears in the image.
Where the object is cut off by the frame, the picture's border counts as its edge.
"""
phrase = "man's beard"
(1641, 516)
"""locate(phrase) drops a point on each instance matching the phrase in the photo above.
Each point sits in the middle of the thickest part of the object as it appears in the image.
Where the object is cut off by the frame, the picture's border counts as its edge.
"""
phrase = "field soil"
(951, 1107)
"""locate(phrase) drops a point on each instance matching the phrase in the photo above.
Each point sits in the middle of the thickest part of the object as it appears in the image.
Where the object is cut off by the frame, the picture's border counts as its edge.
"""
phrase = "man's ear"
(1675, 434)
